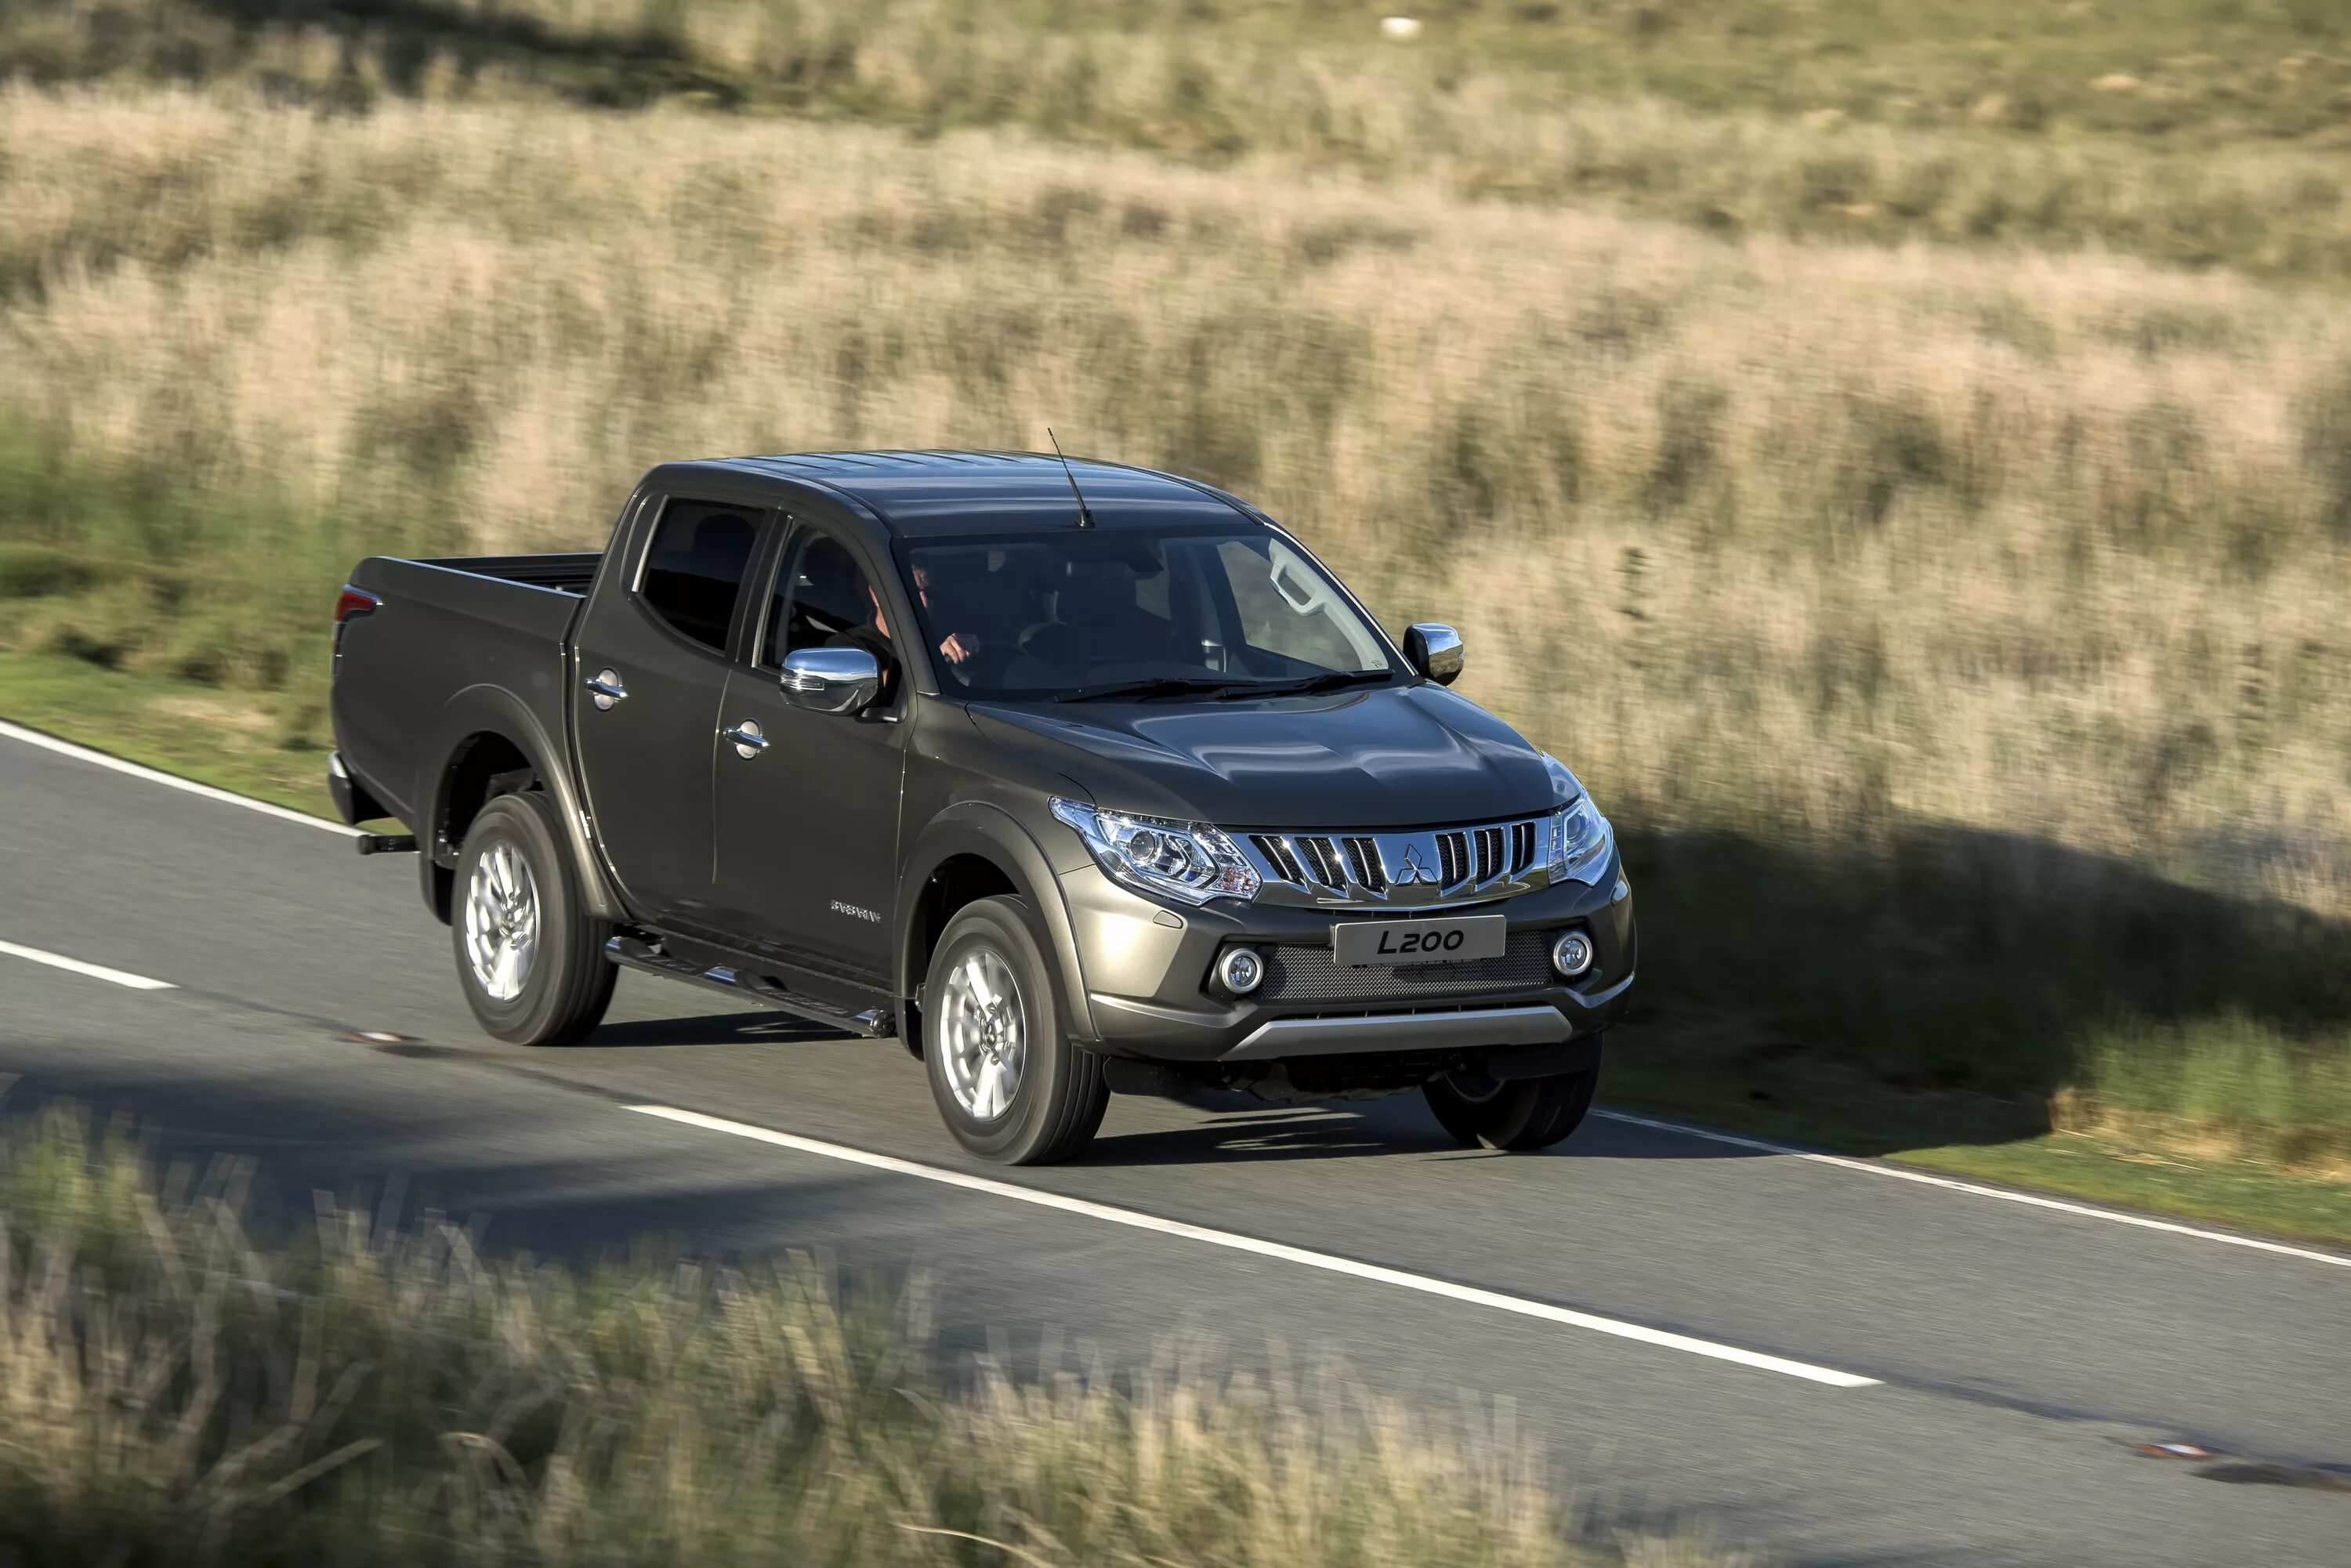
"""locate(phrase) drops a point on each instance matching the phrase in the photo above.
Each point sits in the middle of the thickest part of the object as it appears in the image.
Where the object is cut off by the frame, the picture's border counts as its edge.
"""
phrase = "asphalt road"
(2002, 1358)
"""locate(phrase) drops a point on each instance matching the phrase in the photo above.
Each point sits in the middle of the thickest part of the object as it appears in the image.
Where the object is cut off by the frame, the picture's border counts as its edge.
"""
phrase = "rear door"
(808, 824)
(652, 664)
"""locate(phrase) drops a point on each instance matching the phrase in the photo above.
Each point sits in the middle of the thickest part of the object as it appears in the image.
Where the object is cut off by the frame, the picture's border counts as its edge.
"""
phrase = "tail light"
(350, 605)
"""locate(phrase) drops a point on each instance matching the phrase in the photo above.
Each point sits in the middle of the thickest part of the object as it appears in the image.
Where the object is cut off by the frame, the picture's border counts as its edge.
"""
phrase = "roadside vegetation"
(180, 1386)
(1948, 610)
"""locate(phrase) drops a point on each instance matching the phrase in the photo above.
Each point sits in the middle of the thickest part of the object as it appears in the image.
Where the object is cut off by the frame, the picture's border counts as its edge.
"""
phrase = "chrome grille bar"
(1452, 858)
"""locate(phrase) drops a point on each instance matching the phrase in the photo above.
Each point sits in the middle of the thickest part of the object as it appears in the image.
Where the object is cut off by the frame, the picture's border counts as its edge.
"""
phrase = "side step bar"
(634, 953)
(387, 843)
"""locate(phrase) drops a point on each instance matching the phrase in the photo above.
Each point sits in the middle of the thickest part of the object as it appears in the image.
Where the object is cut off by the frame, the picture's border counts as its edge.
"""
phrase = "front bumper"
(1147, 973)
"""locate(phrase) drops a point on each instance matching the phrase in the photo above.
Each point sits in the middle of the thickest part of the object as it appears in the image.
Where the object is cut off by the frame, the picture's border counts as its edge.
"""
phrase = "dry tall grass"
(2197, 131)
(174, 1390)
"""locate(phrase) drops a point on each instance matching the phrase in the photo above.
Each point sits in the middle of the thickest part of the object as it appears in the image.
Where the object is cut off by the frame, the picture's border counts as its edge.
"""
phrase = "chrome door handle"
(607, 688)
(748, 741)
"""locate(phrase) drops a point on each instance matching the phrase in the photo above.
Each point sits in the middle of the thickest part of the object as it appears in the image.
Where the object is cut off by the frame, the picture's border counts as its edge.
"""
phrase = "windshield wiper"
(1154, 686)
(1329, 681)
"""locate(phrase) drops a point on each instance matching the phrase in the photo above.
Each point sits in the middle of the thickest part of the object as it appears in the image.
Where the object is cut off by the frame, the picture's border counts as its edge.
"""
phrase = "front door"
(807, 822)
(645, 697)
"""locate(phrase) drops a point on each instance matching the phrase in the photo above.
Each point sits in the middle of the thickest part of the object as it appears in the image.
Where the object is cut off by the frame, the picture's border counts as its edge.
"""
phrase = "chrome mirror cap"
(832, 680)
(1435, 651)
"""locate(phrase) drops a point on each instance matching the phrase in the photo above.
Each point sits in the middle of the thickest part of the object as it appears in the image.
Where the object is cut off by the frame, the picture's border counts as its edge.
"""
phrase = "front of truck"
(1292, 860)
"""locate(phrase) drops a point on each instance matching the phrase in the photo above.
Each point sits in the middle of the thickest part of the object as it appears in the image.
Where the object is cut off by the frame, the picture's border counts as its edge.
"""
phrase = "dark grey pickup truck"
(1073, 779)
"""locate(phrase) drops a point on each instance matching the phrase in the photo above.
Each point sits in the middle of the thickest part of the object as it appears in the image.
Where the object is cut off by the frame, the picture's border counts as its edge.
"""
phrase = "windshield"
(1078, 613)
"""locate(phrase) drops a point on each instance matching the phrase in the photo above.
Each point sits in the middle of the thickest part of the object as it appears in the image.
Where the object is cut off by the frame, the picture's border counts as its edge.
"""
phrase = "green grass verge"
(1969, 1136)
(1698, 1063)
(2105, 1170)
(224, 738)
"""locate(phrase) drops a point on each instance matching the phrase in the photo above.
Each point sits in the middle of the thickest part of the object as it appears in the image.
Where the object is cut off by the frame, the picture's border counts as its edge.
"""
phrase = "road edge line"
(1234, 1241)
(82, 966)
(97, 758)
(1900, 1173)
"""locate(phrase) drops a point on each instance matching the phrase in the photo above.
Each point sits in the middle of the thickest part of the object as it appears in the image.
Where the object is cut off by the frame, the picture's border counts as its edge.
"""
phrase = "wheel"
(1009, 1085)
(1519, 1114)
(529, 959)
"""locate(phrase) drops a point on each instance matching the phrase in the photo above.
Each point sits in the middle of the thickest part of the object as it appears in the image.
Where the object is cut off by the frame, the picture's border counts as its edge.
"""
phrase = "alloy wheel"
(982, 1031)
(501, 922)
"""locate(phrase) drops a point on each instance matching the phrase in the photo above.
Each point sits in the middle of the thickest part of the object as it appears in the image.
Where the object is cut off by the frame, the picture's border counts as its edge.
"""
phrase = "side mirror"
(1435, 651)
(832, 680)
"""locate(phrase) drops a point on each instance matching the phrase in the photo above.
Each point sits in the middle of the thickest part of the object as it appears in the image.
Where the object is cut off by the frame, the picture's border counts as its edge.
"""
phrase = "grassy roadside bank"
(180, 1384)
(2205, 1145)
(211, 737)
(1673, 1068)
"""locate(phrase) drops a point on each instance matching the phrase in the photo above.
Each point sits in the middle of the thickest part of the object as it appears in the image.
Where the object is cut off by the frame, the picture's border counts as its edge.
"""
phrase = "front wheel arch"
(983, 843)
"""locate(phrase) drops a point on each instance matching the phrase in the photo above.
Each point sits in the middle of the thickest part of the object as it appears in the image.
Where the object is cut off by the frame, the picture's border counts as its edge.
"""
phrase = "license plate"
(1457, 940)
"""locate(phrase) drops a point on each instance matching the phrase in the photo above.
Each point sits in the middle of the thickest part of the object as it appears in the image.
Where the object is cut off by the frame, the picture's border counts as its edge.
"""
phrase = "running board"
(386, 843)
(634, 953)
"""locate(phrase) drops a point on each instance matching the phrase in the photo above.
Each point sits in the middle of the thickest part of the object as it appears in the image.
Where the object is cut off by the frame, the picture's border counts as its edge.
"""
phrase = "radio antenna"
(1085, 518)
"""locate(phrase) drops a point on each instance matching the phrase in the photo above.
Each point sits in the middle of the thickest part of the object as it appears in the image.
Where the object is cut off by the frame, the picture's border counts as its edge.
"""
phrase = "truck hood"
(1394, 757)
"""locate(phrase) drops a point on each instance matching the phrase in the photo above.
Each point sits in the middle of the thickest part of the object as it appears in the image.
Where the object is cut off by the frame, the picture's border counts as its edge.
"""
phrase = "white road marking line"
(1326, 1261)
(1873, 1168)
(95, 971)
(170, 780)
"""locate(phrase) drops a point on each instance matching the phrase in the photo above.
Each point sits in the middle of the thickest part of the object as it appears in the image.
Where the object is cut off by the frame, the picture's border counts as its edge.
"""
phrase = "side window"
(695, 565)
(822, 599)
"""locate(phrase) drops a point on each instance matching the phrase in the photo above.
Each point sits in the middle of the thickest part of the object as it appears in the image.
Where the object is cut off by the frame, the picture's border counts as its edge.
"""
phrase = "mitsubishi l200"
(1073, 779)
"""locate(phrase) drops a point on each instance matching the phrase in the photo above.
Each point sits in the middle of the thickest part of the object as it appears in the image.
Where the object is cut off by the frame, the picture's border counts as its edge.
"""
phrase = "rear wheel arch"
(489, 744)
(478, 768)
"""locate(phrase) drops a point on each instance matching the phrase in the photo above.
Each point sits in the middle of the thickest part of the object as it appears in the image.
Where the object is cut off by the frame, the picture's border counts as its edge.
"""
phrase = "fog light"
(1572, 955)
(1240, 970)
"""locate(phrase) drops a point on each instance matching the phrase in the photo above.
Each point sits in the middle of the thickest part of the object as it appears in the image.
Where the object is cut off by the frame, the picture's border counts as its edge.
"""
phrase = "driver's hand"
(959, 647)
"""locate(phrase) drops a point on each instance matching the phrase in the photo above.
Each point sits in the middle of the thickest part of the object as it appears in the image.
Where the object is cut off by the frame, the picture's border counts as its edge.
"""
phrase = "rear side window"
(695, 565)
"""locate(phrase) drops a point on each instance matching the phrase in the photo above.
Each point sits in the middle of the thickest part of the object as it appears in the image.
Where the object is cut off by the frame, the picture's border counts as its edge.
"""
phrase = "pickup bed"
(1073, 778)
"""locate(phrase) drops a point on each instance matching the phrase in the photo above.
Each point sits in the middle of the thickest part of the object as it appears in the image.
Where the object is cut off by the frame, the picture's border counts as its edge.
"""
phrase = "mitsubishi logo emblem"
(1412, 871)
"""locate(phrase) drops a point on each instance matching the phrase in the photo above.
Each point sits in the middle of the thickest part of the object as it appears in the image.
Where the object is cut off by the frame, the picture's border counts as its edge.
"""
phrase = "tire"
(1519, 1115)
(514, 879)
(1008, 1082)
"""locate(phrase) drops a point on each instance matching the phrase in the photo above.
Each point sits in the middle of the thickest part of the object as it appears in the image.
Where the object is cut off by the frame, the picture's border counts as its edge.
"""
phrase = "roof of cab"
(946, 492)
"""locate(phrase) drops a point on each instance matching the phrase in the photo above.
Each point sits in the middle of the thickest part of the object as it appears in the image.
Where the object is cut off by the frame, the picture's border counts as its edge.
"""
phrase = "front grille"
(1301, 974)
(1442, 865)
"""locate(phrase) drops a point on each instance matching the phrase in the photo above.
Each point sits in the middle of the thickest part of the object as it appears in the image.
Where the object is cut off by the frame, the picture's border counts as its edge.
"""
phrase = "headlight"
(1189, 862)
(1580, 835)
